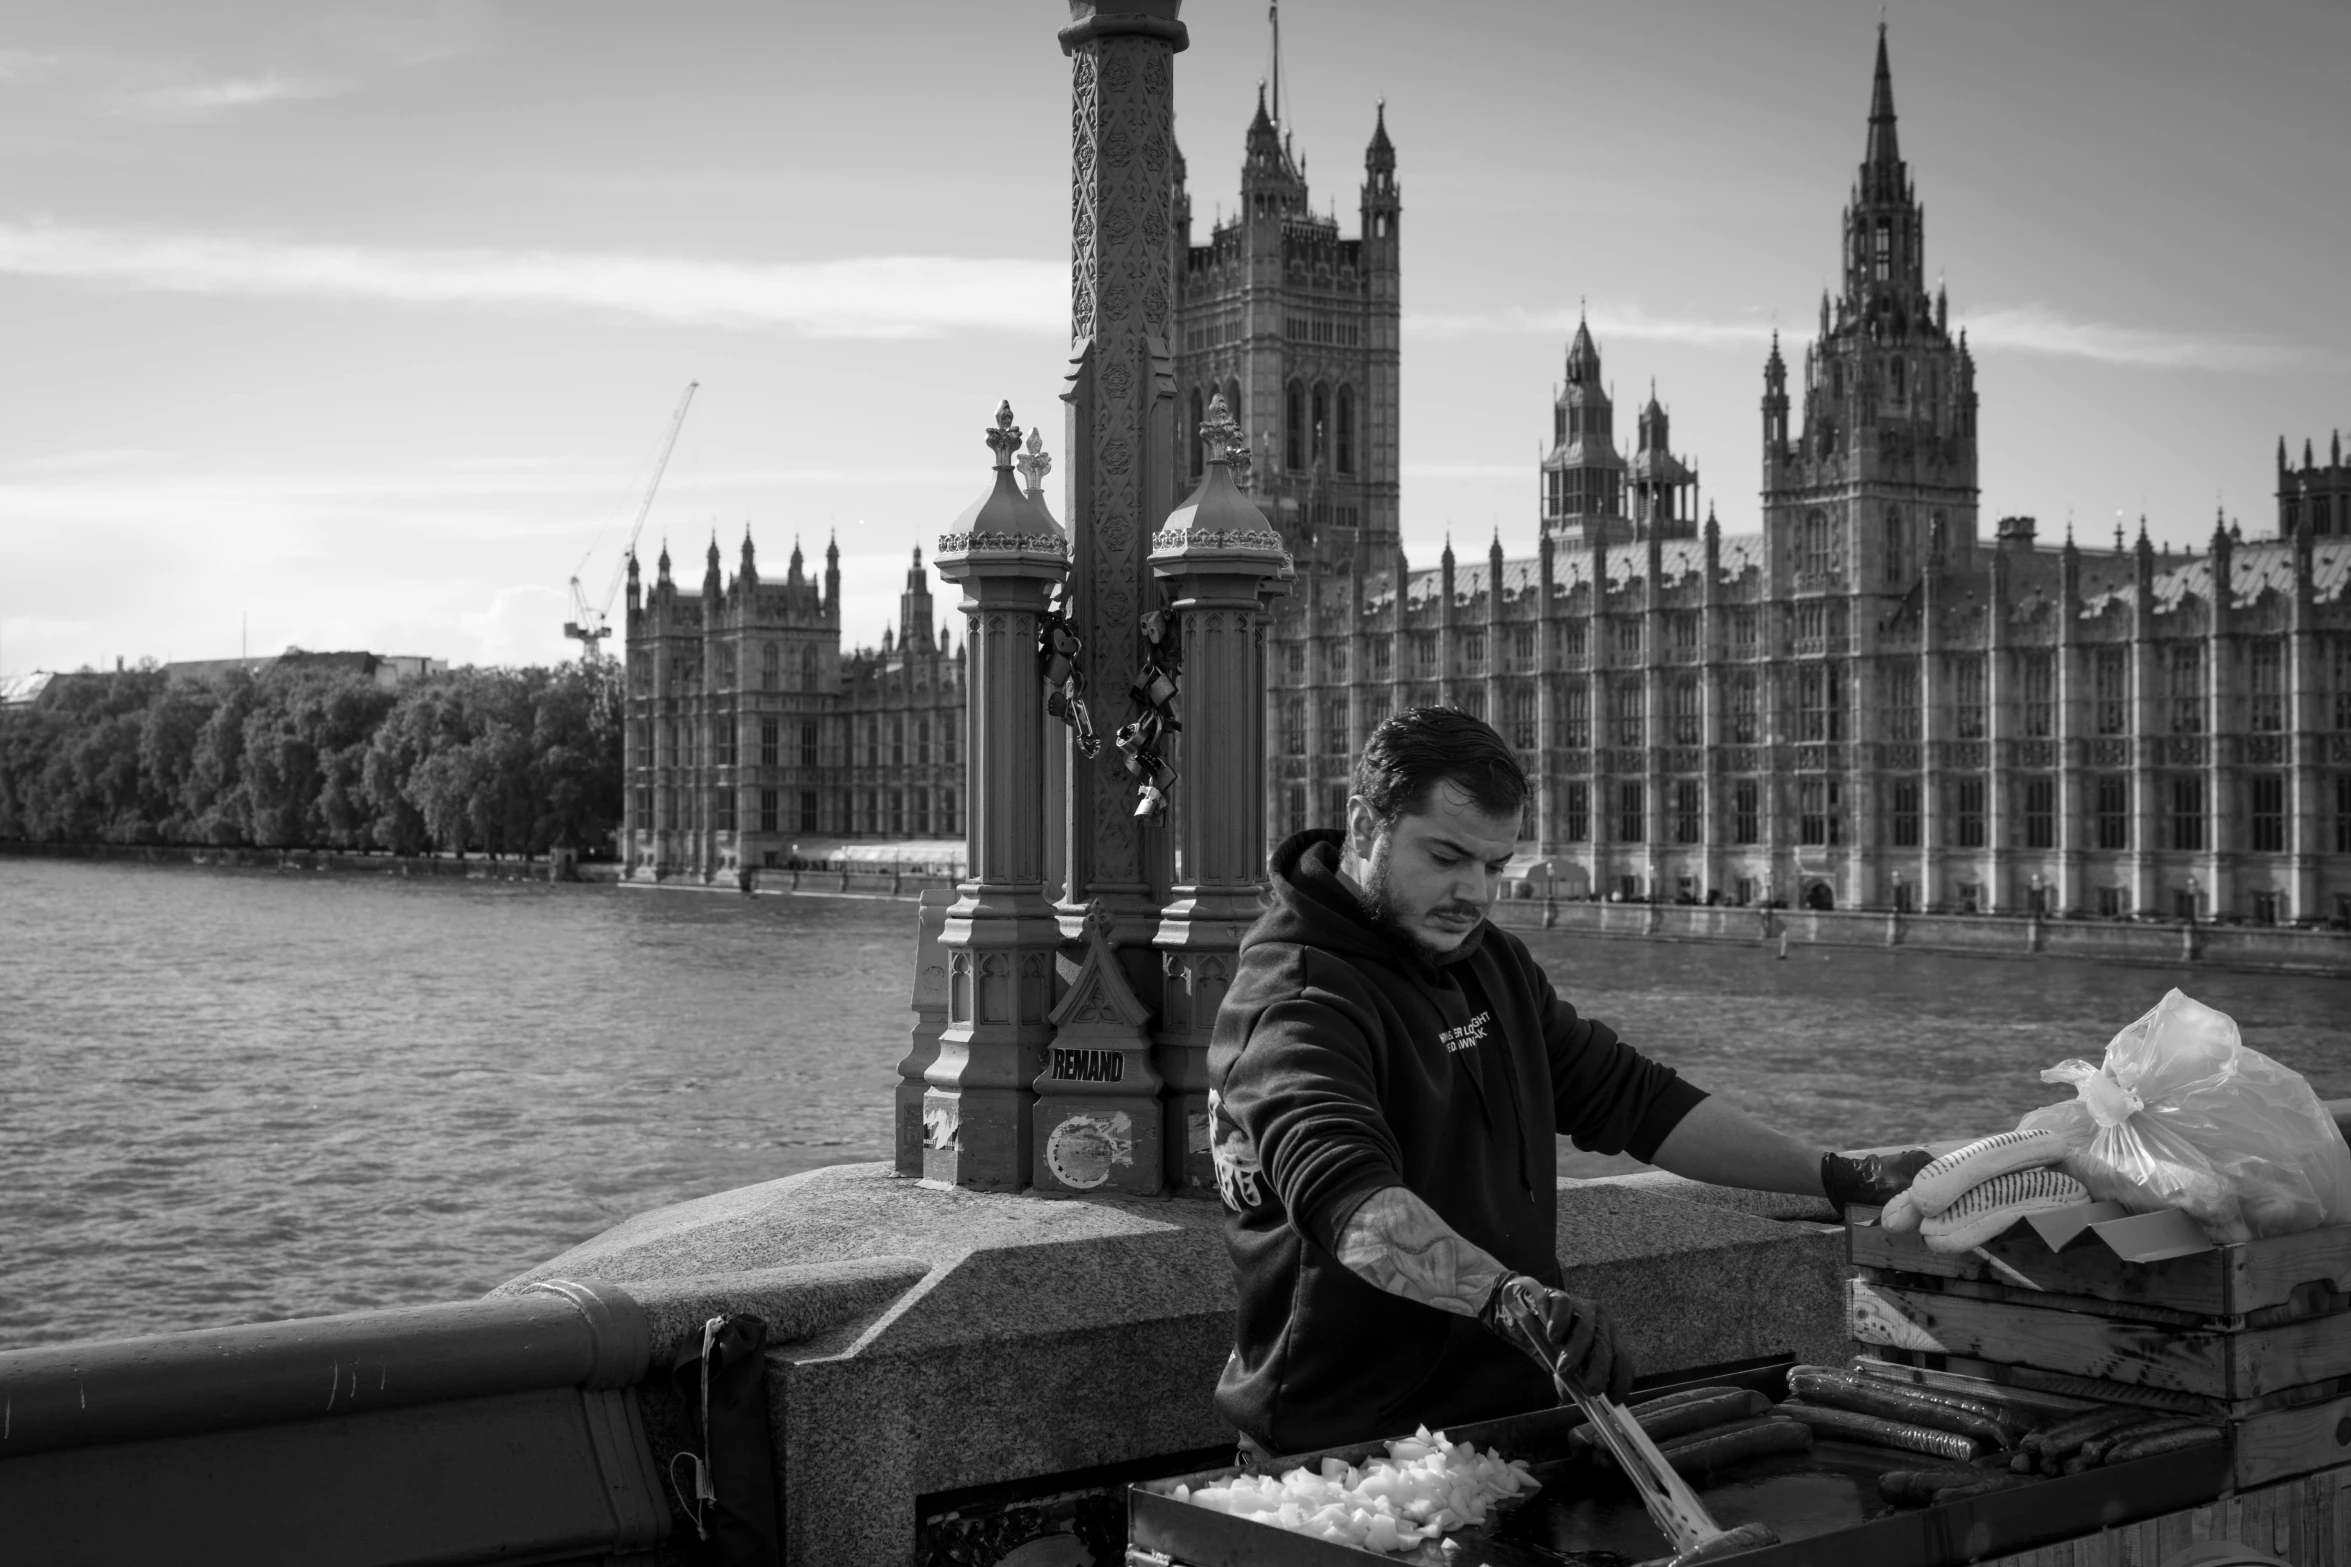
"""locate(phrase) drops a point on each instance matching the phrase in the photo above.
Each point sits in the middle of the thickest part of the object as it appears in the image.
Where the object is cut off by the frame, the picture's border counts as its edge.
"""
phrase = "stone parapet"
(927, 1341)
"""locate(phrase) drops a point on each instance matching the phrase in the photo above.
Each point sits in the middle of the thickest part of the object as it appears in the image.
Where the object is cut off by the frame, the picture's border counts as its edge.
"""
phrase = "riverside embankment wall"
(2269, 948)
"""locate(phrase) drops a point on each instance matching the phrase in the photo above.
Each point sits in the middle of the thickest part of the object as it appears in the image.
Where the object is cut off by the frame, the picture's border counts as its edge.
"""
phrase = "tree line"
(494, 761)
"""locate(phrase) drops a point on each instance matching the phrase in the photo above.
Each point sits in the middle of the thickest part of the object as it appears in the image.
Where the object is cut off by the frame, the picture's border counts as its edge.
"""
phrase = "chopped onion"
(1426, 1486)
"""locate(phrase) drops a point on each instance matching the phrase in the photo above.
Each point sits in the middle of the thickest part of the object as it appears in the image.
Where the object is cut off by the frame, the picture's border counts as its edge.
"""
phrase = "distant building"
(1298, 329)
(1865, 704)
(750, 731)
(383, 669)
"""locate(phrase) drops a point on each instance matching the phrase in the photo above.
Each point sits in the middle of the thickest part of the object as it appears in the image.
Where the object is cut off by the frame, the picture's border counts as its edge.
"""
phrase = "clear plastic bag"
(2183, 1115)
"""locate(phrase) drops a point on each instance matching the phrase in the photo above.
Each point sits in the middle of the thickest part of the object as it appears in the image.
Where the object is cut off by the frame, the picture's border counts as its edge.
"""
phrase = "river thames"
(228, 1096)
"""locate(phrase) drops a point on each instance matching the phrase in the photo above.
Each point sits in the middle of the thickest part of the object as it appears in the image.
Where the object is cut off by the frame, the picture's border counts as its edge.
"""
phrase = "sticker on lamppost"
(1083, 1150)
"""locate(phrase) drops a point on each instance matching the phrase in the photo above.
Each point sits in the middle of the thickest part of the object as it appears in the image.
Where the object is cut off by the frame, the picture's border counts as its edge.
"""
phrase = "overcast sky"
(364, 322)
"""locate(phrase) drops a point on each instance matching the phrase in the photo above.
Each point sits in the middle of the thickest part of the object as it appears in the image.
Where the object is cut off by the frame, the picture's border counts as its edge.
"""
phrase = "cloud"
(2027, 329)
(2036, 329)
(183, 102)
(1630, 324)
(873, 296)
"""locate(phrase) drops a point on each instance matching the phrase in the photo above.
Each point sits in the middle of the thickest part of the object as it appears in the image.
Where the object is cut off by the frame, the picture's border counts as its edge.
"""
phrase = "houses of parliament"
(1869, 703)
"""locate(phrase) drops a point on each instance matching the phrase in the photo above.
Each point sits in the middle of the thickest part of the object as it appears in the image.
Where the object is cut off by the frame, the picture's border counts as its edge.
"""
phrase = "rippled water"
(228, 1095)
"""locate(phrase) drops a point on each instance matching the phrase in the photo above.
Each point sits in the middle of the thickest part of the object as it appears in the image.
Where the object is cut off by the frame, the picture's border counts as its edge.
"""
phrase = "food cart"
(2093, 1308)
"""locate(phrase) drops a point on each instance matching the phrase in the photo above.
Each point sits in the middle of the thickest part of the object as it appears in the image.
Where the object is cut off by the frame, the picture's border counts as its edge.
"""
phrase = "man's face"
(1430, 876)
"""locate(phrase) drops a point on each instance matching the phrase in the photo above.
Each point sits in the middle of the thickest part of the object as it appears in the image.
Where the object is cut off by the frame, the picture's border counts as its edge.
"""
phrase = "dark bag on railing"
(727, 1487)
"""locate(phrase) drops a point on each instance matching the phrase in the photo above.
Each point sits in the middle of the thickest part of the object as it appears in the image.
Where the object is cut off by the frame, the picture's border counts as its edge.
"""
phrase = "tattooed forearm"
(1397, 1242)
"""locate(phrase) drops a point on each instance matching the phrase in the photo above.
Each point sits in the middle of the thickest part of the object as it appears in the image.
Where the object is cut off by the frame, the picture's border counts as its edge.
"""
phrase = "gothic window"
(1902, 814)
(808, 810)
(1321, 425)
(2269, 812)
(1473, 653)
(2187, 812)
(808, 668)
(1819, 811)
(771, 668)
(922, 813)
(1688, 811)
(723, 811)
(1967, 686)
(897, 813)
(1742, 704)
(1689, 721)
(1743, 631)
(1192, 434)
(1883, 256)
(1575, 809)
(1897, 553)
(2038, 668)
(1424, 656)
(770, 743)
(947, 738)
(1746, 811)
(2185, 671)
(1820, 702)
(2268, 656)
(1967, 813)
(2040, 813)
(1338, 660)
(1902, 702)
(1571, 643)
(726, 740)
(897, 740)
(726, 665)
(1297, 809)
(809, 734)
(1575, 715)
(1232, 402)
(1632, 823)
(2114, 811)
(1473, 702)
(947, 811)
(1334, 726)
(1522, 647)
(2343, 682)
(1294, 727)
(1895, 370)
(922, 740)
(1627, 706)
(1382, 658)
(1294, 427)
(1628, 636)
(1522, 718)
(1346, 462)
(1685, 631)
(1812, 550)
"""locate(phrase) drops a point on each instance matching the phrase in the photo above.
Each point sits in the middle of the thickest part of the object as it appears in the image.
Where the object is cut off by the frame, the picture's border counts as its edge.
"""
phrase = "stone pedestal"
(1098, 1116)
(1000, 935)
(930, 1025)
(1216, 557)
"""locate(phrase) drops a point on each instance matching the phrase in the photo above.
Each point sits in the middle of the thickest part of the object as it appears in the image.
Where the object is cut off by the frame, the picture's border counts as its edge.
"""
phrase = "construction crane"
(592, 623)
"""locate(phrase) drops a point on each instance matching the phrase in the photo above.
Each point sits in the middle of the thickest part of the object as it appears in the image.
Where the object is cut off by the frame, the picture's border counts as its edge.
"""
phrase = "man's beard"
(1379, 902)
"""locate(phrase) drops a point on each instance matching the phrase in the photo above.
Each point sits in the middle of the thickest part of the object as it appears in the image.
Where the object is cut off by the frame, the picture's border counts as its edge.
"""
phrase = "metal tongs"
(1673, 1506)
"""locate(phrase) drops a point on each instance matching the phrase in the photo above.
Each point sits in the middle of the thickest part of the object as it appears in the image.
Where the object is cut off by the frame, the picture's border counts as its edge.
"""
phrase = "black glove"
(1560, 1330)
(1872, 1178)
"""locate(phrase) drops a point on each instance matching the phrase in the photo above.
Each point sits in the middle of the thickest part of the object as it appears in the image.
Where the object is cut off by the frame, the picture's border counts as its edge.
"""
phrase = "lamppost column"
(1121, 413)
(1008, 555)
(1217, 557)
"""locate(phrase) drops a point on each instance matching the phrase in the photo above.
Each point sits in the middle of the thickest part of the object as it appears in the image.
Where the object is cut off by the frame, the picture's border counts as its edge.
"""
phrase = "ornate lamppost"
(1008, 554)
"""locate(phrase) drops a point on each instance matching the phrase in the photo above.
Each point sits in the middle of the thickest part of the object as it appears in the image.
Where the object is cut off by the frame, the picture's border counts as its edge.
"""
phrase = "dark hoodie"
(1343, 1062)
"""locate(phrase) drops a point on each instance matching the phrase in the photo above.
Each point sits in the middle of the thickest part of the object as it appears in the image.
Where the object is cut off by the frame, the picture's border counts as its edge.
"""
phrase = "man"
(1386, 1076)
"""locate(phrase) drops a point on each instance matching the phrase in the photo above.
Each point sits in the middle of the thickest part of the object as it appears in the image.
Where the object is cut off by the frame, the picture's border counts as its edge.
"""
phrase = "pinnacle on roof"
(1381, 153)
(1884, 149)
(1583, 355)
(1775, 362)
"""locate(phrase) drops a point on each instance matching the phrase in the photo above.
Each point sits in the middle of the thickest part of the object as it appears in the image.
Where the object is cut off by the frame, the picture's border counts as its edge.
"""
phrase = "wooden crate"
(2256, 1335)
(2306, 1274)
(2306, 1521)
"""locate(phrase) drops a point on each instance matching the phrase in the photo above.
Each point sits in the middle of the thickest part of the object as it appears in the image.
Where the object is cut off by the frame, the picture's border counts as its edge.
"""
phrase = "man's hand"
(1561, 1330)
(1872, 1178)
